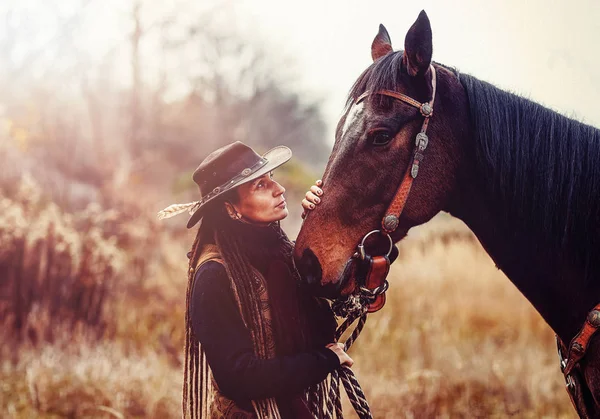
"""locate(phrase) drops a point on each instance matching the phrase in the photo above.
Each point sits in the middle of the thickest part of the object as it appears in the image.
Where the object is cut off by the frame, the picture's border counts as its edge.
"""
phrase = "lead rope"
(355, 307)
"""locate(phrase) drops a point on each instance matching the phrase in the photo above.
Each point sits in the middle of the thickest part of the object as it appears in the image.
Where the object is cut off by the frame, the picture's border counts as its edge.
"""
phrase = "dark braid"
(193, 351)
(236, 264)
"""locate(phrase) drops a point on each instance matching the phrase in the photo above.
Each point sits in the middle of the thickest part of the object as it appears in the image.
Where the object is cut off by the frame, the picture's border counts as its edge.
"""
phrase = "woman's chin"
(283, 213)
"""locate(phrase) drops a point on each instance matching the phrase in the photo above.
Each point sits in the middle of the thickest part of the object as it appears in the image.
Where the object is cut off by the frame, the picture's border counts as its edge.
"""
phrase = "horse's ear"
(418, 46)
(382, 45)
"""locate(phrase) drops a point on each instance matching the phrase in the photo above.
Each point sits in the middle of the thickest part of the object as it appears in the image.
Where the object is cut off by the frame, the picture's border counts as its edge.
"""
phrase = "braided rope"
(333, 397)
(338, 406)
(353, 308)
(355, 394)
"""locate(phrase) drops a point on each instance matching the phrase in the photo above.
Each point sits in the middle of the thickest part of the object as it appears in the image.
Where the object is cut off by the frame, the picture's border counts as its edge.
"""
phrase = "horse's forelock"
(381, 75)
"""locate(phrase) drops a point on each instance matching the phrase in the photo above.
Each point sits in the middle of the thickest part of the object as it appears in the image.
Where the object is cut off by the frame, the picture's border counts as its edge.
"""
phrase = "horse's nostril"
(309, 267)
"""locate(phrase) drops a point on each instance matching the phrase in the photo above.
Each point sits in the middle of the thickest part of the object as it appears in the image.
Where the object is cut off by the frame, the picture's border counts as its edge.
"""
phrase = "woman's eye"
(379, 138)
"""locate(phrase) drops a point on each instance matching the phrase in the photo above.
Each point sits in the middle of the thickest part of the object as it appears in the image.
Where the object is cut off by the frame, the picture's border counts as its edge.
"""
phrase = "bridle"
(374, 269)
(371, 271)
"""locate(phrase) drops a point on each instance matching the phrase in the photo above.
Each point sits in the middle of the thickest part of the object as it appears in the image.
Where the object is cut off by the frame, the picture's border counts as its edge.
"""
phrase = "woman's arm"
(218, 326)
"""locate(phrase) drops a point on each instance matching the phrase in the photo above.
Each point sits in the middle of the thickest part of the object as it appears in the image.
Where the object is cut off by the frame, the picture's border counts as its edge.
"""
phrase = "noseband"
(375, 268)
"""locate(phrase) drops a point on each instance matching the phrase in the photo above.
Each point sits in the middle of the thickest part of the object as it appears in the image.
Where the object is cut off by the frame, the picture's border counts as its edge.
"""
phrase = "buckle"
(422, 141)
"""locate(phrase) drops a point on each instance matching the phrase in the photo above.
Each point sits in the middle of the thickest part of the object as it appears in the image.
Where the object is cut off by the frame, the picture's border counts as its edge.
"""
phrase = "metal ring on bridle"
(361, 247)
(377, 291)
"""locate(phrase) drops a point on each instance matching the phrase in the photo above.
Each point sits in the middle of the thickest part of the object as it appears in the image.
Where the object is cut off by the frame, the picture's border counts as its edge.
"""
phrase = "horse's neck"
(554, 287)
(554, 275)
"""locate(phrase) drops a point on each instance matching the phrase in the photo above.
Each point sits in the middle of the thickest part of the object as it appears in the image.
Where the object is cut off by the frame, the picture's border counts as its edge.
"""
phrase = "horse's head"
(375, 150)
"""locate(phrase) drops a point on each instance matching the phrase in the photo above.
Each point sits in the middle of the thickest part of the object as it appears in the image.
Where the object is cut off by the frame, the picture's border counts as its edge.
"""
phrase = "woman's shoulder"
(210, 271)
(211, 283)
(212, 265)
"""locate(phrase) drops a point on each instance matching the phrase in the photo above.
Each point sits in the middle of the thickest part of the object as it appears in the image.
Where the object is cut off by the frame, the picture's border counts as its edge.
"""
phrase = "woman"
(257, 344)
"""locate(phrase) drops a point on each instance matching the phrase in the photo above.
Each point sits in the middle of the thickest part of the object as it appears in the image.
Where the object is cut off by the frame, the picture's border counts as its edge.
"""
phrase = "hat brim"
(275, 157)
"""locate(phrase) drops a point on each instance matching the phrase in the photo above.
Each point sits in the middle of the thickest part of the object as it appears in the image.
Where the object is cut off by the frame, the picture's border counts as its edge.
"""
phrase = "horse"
(418, 137)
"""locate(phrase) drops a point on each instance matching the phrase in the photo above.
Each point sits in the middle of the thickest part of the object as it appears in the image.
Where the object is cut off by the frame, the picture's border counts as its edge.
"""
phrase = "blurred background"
(107, 107)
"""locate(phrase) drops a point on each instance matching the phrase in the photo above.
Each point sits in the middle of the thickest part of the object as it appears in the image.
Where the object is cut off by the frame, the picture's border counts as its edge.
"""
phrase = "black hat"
(223, 170)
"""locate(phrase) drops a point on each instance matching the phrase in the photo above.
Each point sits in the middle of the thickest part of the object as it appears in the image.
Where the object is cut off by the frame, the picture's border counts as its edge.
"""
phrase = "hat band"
(228, 185)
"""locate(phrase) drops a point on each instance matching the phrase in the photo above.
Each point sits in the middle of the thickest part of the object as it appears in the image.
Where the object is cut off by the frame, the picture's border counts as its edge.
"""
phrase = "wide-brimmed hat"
(224, 169)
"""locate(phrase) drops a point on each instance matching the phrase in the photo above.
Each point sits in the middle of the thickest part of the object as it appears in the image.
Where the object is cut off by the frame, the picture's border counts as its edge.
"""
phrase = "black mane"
(380, 75)
(544, 166)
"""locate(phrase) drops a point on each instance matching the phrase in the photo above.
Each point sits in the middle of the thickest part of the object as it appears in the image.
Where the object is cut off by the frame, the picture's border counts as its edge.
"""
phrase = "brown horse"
(525, 179)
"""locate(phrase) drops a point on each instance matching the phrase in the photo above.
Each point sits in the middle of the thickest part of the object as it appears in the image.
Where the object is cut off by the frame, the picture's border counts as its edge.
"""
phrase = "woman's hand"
(338, 349)
(312, 198)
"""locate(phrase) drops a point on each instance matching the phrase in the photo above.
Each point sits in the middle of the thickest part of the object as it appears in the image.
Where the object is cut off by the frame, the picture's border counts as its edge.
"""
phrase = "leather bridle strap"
(373, 271)
(391, 218)
(580, 342)
(575, 352)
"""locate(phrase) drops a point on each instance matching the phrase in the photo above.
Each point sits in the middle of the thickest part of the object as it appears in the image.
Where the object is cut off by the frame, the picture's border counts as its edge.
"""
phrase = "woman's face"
(261, 201)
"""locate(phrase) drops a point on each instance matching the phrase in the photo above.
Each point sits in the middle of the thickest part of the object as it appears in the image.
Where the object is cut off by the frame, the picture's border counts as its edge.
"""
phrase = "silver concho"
(426, 109)
(594, 318)
(390, 222)
(216, 190)
(246, 172)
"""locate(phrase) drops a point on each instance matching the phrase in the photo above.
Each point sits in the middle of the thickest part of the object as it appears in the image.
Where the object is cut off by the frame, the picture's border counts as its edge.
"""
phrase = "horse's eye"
(379, 138)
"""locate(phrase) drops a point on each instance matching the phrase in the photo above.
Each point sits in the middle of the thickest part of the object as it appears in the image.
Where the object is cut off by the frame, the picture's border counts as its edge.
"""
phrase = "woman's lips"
(281, 204)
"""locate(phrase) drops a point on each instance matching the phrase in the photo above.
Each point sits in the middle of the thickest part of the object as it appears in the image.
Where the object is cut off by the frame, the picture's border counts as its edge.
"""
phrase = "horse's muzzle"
(311, 272)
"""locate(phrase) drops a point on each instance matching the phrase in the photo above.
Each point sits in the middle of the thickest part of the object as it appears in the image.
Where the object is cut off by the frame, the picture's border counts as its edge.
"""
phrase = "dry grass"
(100, 381)
(455, 339)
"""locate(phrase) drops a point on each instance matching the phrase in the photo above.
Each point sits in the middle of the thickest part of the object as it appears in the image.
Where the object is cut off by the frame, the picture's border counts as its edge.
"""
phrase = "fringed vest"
(219, 406)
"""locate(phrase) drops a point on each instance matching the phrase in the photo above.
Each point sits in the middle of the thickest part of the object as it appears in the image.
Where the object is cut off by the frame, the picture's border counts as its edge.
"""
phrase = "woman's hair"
(212, 212)
(195, 375)
(192, 368)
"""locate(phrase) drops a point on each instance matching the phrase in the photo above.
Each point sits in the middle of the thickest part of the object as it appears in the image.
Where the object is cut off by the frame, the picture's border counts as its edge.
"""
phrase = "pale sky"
(543, 49)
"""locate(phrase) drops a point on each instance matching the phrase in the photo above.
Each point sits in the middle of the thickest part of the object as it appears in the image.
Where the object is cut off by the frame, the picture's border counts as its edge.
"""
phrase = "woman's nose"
(279, 190)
